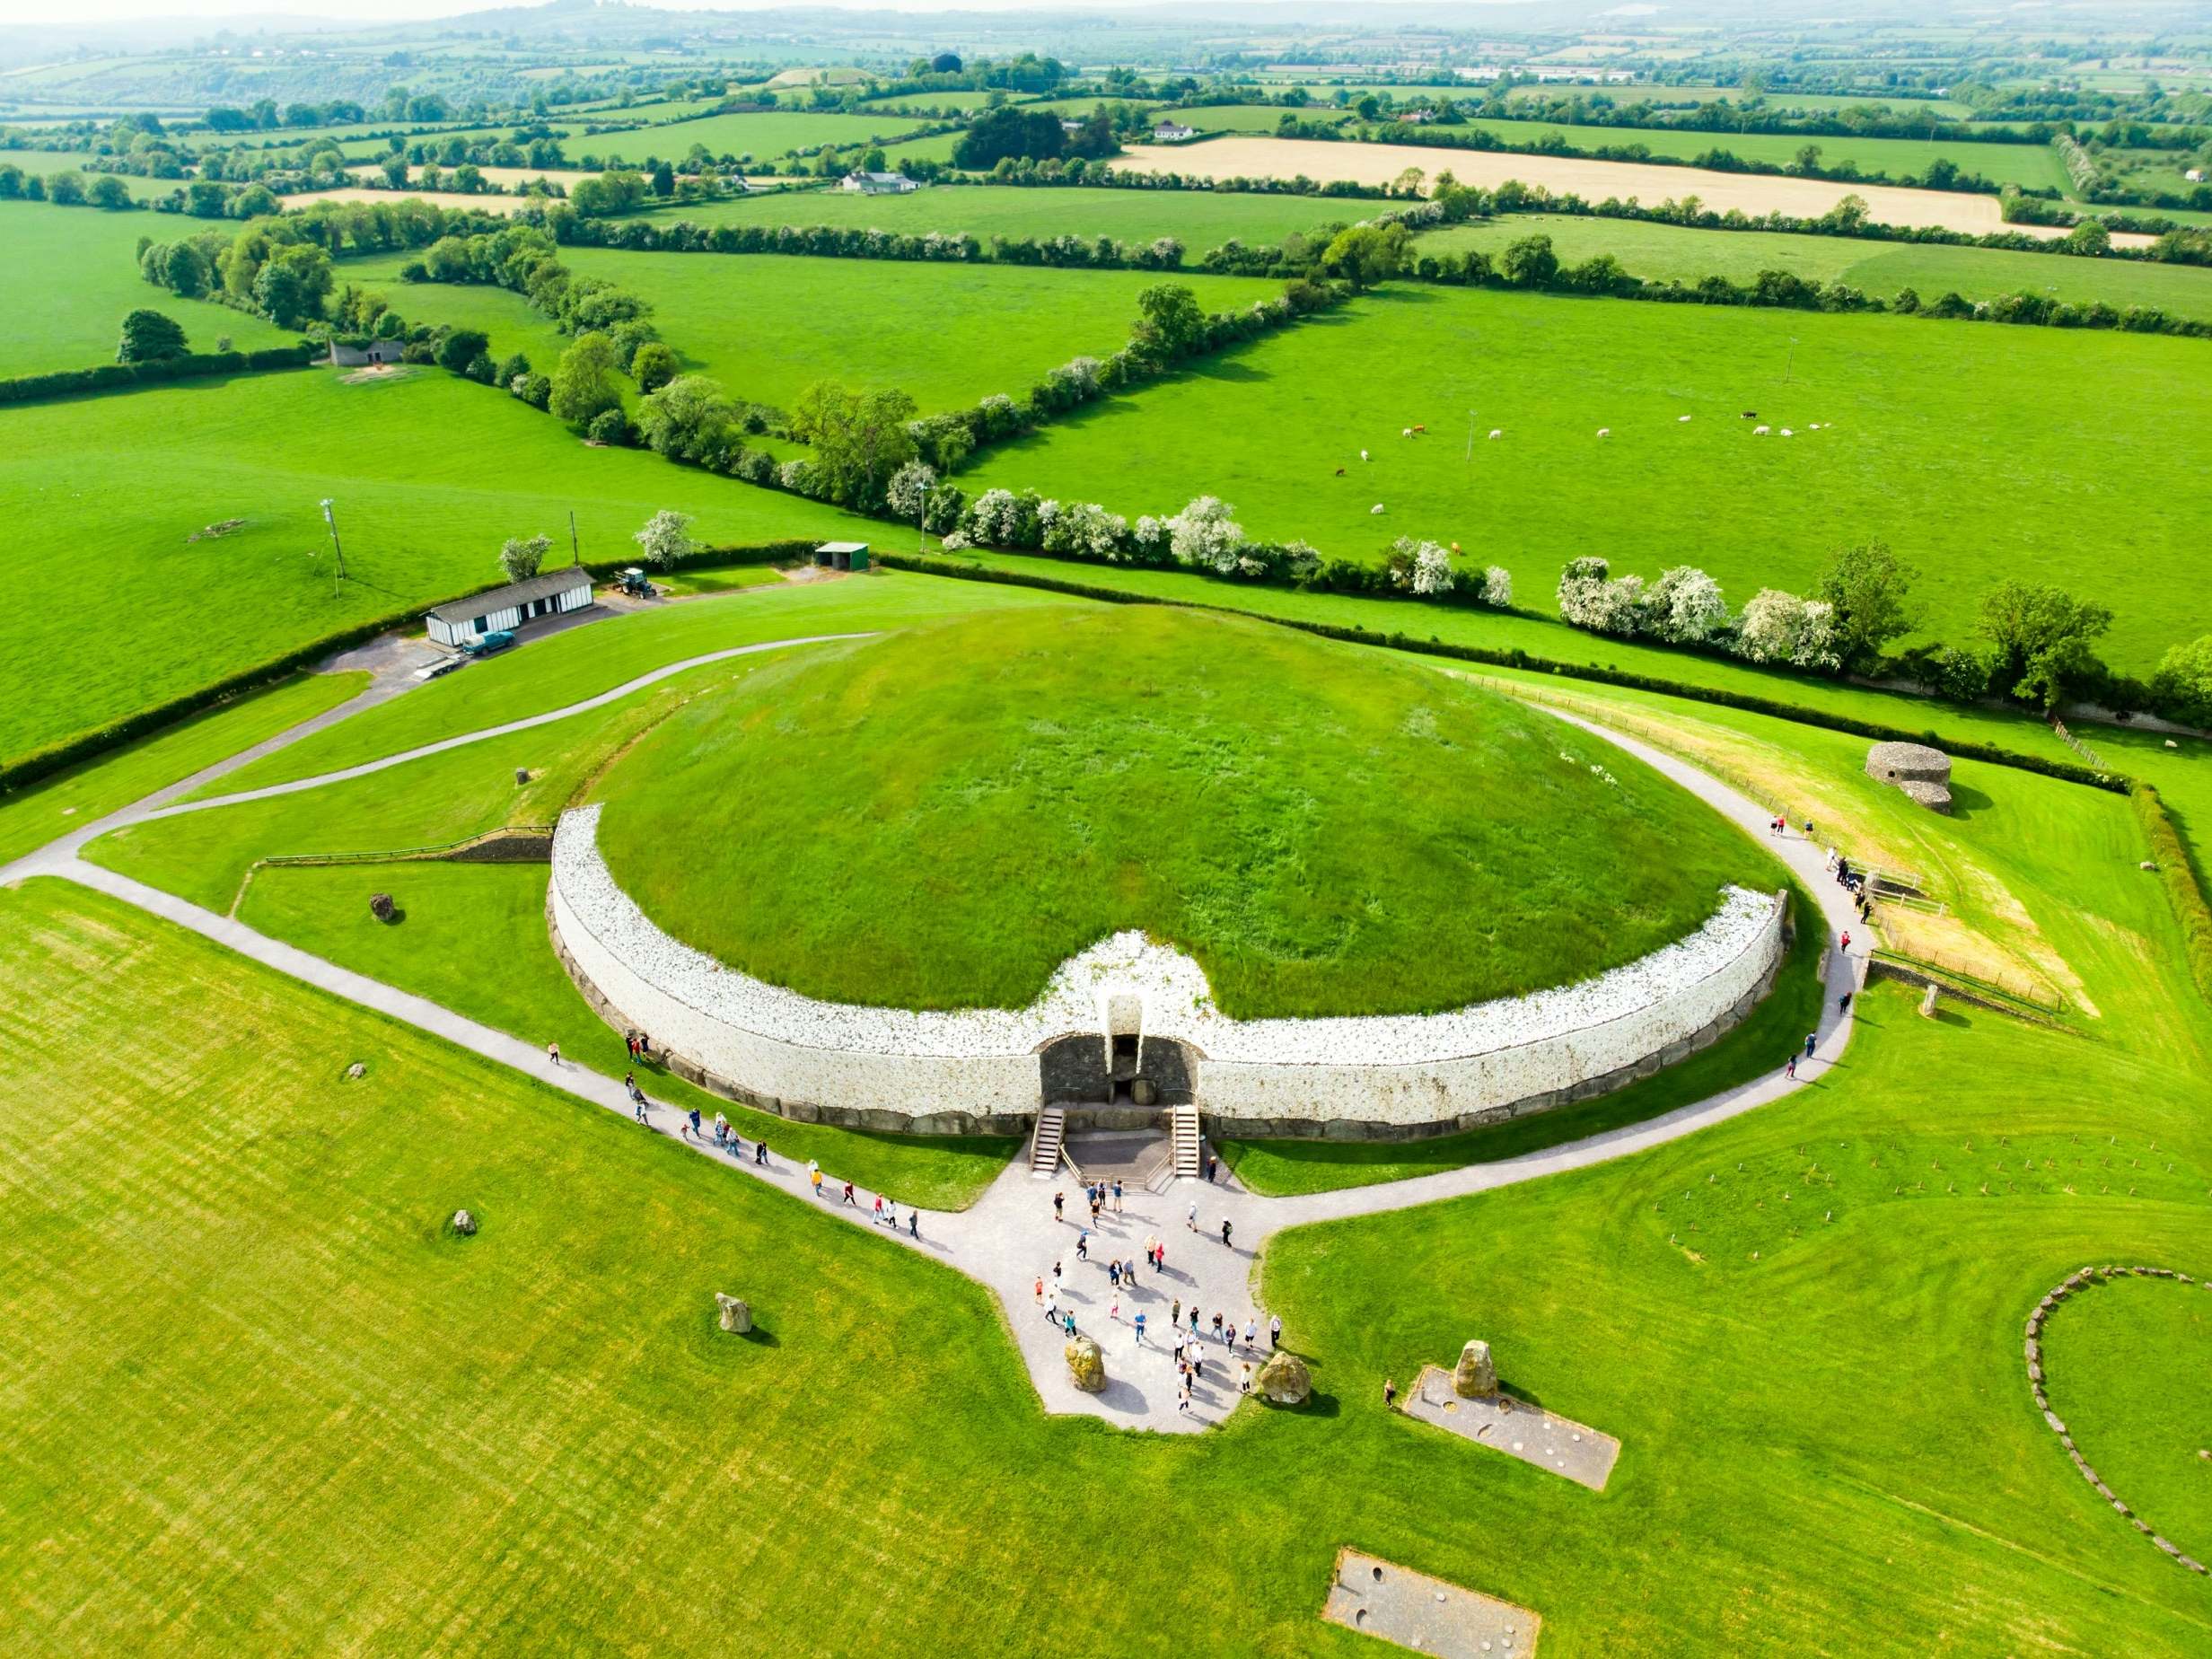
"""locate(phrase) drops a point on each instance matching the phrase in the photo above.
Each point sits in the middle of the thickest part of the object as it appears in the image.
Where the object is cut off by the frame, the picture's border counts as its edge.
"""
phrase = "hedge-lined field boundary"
(131, 376)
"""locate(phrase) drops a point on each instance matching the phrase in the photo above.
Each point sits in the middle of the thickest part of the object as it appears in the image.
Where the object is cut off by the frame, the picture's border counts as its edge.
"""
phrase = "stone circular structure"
(1920, 772)
(1107, 878)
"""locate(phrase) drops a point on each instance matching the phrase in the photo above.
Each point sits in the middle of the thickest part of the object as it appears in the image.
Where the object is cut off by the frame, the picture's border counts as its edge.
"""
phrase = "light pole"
(1789, 361)
(330, 518)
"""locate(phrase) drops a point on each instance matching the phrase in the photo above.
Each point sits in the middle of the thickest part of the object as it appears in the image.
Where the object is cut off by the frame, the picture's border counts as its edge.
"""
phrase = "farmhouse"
(553, 593)
(877, 184)
(344, 357)
(1172, 132)
(2195, 175)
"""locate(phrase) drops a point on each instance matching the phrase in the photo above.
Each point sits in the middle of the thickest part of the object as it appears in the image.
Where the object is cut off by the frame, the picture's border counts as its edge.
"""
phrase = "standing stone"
(379, 907)
(1475, 1377)
(736, 1316)
(522, 776)
(464, 1223)
(1284, 1380)
(1086, 1364)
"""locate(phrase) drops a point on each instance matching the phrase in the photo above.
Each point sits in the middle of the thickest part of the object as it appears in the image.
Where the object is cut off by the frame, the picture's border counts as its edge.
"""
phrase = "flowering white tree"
(1581, 584)
(666, 538)
(908, 489)
(1432, 569)
(521, 556)
(796, 475)
(1204, 534)
(1151, 536)
(1686, 607)
(1781, 627)
(1497, 586)
(1084, 529)
(995, 516)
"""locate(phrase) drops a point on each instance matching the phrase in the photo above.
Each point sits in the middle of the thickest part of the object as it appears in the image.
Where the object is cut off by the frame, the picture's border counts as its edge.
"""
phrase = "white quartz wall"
(1408, 1070)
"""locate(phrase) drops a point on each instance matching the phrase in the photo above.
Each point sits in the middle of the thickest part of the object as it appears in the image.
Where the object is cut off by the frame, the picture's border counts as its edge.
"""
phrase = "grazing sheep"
(1376, 508)
(1813, 427)
(1760, 432)
(1749, 414)
(1498, 432)
(1405, 432)
(1787, 432)
(1363, 454)
(1681, 418)
(1605, 432)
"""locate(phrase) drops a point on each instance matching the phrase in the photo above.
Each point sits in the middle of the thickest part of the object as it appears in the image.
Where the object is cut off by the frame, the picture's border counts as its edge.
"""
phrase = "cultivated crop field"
(68, 276)
(2034, 166)
(1750, 193)
(1198, 219)
(1972, 490)
(122, 482)
(1673, 253)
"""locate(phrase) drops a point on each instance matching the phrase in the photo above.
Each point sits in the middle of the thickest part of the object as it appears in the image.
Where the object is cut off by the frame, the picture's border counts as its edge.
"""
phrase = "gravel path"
(1010, 1237)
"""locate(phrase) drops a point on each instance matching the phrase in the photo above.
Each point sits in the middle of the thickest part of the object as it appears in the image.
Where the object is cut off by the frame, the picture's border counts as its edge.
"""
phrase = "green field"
(2026, 164)
(68, 276)
(769, 325)
(2005, 485)
(1879, 1234)
(49, 162)
(430, 474)
(1674, 252)
(1249, 117)
(1198, 219)
(958, 98)
(1145, 769)
(762, 134)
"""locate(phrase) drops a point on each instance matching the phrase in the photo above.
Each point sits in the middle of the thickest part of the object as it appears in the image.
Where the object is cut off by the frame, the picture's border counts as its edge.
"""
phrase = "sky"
(398, 10)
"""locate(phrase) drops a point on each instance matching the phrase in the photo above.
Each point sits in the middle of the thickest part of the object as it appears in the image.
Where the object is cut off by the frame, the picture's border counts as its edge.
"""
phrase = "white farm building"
(553, 593)
(877, 184)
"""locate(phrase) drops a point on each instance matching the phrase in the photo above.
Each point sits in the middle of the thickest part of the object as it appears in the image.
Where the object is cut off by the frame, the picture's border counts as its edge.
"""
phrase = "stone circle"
(736, 1313)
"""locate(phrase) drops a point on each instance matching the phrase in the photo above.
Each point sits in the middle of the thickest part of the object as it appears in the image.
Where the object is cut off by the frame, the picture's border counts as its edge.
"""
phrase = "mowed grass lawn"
(1212, 781)
(1942, 438)
(2034, 165)
(262, 1397)
(113, 610)
(69, 277)
(1676, 253)
(1200, 219)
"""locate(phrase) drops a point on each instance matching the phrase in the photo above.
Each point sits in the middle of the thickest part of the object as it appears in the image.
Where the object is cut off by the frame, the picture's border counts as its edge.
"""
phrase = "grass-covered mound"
(938, 819)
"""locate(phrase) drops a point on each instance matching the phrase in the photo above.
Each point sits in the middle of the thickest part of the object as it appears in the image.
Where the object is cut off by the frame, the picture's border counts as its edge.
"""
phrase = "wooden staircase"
(1044, 1143)
(1189, 1142)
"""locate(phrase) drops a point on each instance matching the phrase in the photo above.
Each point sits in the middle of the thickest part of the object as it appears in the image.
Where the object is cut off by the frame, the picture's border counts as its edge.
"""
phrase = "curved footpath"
(1009, 1239)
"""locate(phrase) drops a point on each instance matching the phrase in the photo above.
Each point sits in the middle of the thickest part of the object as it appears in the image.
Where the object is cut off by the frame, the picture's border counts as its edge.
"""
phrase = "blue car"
(484, 645)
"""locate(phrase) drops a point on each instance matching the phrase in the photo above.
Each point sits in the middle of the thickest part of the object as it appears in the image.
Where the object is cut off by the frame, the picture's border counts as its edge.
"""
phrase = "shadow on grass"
(1774, 1029)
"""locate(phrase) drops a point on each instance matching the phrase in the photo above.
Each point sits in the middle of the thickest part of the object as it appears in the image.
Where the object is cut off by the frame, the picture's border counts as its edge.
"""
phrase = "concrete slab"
(1516, 1428)
(1394, 1603)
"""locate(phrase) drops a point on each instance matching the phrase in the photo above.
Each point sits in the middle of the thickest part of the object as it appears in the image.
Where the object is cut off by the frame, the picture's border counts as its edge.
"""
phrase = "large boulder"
(1475, 1377)
(736, 1316)
(380, 907)
(464, 1223)
(1086, 1364)
(1284, 1380)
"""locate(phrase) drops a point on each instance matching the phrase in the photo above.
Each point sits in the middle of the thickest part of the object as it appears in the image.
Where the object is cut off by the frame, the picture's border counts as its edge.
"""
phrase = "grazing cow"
(1749, 414)
(1418, 430)
(1759, 432)
(1339, 471)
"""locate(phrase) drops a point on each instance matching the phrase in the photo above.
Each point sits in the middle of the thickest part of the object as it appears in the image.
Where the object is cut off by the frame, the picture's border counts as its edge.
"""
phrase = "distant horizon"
(370, 13)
